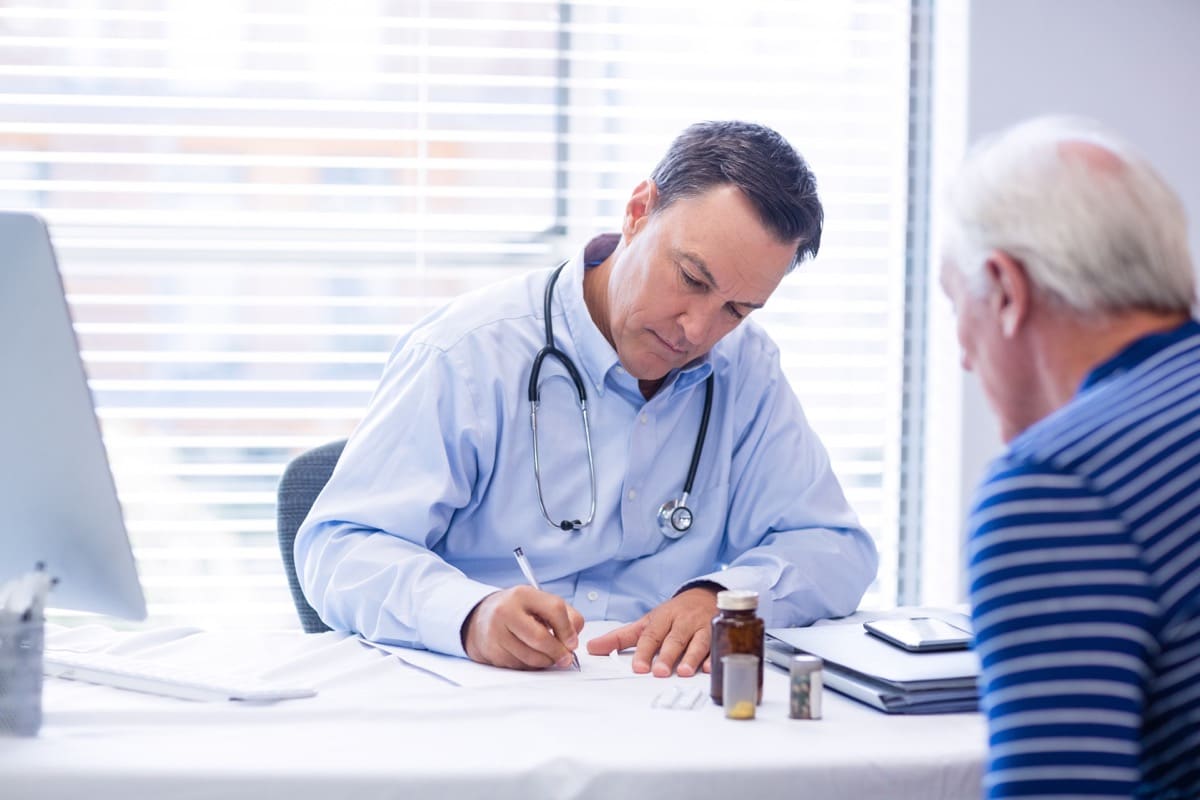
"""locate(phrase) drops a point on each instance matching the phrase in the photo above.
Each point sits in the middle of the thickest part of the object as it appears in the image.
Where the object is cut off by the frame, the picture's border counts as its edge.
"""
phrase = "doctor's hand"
(522, 628)
(677, 632)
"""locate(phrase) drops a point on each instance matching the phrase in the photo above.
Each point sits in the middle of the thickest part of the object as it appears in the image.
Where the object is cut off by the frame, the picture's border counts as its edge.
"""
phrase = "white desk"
(381, 729)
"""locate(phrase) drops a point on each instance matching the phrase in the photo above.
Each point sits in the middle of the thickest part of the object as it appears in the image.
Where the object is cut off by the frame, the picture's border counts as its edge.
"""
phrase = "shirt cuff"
(735, 578)
(701, 583)
(445, 609)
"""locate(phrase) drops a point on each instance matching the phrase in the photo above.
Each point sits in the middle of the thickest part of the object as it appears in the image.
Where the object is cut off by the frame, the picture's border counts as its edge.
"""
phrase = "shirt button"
(593, 596)
(632, 495)
(645, 419)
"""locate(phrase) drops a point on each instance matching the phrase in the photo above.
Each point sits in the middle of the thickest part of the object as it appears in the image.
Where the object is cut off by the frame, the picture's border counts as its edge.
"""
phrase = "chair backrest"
(304, 478)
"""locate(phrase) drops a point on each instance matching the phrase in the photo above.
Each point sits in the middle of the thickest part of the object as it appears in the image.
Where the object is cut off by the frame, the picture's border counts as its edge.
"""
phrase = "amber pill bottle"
(736, 628)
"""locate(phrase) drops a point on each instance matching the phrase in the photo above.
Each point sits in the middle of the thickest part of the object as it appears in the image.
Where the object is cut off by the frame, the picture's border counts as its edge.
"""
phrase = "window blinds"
(251, 200)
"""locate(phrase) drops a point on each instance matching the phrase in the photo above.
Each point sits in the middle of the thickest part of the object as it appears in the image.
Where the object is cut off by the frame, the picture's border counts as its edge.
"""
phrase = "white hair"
(1095, 226)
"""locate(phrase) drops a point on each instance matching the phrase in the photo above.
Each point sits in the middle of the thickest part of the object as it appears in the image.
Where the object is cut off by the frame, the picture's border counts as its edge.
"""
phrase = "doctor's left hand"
(677, 632)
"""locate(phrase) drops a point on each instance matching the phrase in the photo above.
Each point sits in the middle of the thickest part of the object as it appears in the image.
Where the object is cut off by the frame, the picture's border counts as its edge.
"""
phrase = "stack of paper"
(879, 674)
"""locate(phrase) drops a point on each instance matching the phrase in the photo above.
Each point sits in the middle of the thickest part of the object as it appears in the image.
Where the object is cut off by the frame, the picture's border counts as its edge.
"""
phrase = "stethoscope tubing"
(551, 351)
(674, 517)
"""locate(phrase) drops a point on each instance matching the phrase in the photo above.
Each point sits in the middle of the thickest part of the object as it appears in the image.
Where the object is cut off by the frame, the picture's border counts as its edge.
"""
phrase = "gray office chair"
(304, 478)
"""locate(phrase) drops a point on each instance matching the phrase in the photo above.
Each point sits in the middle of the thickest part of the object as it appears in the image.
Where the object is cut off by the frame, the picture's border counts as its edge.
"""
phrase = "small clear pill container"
(807, 685)
(740, 685)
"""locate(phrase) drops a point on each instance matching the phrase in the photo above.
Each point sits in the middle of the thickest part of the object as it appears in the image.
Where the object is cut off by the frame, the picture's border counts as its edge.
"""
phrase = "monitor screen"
(58, 504)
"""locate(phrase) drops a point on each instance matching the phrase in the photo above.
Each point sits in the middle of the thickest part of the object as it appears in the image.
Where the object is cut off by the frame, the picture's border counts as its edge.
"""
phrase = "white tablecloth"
(382, 729)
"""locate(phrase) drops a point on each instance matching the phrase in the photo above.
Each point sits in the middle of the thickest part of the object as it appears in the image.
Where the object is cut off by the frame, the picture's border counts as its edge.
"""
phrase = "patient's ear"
(1009, 291)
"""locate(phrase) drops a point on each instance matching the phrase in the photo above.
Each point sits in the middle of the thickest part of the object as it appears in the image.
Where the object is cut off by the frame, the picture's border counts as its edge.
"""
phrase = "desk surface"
(380, 729)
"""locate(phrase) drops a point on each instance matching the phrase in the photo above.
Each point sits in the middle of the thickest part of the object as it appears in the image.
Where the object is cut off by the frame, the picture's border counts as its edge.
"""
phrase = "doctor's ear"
(1009, 291)
(637, 210)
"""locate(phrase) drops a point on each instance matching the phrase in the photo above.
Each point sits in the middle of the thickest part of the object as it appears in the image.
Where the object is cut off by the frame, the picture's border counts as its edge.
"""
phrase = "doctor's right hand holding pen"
(523, 627)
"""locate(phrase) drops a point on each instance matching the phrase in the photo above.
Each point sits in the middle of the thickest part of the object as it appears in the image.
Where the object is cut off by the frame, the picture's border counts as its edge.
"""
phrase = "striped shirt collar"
(1136, 352)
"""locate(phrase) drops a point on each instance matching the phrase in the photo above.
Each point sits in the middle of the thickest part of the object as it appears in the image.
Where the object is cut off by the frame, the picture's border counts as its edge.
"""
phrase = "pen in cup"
(24, 597)
(527, 571)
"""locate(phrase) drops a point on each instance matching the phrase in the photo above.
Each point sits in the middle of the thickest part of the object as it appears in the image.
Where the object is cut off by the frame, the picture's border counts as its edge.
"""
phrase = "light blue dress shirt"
(436, 487)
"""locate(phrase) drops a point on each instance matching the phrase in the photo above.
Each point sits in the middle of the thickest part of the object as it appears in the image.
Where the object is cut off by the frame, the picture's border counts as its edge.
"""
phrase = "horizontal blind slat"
(251, 203)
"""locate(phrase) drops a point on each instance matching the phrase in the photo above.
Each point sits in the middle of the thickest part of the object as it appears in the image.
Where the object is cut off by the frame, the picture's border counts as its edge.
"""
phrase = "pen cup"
(739, 685)
(21, 644)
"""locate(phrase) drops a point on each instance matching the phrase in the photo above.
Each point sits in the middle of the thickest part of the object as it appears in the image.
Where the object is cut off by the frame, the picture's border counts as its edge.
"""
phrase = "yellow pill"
(743, 709)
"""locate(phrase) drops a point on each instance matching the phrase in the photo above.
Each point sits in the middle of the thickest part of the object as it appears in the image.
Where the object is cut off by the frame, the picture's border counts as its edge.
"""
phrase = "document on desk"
(467, 673)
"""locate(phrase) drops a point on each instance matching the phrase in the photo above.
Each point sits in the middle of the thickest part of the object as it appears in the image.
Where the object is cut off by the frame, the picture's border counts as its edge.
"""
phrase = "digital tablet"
(920, 634)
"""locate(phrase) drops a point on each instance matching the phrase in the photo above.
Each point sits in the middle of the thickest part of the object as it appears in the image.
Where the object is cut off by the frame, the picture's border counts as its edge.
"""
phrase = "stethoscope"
(674, 516)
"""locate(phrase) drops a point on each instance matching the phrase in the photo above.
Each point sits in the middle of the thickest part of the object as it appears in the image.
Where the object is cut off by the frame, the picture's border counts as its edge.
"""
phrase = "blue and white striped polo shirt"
(1085, 586)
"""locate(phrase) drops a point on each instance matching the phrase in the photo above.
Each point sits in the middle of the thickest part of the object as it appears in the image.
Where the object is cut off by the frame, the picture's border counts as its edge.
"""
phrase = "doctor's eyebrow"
(699, 264)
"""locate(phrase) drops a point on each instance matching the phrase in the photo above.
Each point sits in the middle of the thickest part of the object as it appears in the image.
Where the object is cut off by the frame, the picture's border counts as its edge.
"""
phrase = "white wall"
(1131, 64)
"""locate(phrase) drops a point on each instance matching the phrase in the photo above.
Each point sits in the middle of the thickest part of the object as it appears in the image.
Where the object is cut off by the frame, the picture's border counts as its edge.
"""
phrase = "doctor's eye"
(689, 281)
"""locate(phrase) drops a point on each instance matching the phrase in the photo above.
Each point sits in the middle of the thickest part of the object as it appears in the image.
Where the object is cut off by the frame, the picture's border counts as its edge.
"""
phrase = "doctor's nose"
(697, 321)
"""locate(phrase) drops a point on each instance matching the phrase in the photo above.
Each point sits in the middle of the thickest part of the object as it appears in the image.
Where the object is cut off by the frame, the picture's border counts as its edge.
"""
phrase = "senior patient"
(1066, 259)
(693, 470)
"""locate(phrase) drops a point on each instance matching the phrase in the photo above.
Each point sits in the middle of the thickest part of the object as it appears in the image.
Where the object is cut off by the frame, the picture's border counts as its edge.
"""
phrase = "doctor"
(669, 459)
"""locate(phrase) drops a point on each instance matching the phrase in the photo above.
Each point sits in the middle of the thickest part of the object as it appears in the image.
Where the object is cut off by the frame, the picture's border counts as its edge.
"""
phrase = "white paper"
(464, 672)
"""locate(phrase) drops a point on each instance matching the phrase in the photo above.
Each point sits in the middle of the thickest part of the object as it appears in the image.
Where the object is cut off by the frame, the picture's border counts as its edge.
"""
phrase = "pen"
(527, 571)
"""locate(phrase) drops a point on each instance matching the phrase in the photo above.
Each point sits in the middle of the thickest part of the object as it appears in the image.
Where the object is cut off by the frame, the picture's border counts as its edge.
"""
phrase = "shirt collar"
(597, 358)
(1138, 351)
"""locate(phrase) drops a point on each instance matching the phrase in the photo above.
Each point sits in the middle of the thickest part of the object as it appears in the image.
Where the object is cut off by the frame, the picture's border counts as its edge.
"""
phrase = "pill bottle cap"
(737, 600)
(805, 664)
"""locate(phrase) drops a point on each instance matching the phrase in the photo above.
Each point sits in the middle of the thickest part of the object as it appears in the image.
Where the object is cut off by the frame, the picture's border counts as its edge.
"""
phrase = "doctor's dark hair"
(771, 174)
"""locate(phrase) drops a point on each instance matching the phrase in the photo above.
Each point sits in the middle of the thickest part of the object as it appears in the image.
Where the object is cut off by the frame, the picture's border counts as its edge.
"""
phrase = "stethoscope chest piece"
(674, 518)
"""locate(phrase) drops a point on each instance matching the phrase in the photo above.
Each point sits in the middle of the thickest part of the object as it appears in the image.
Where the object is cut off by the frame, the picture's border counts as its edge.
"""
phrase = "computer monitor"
(58, 504)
